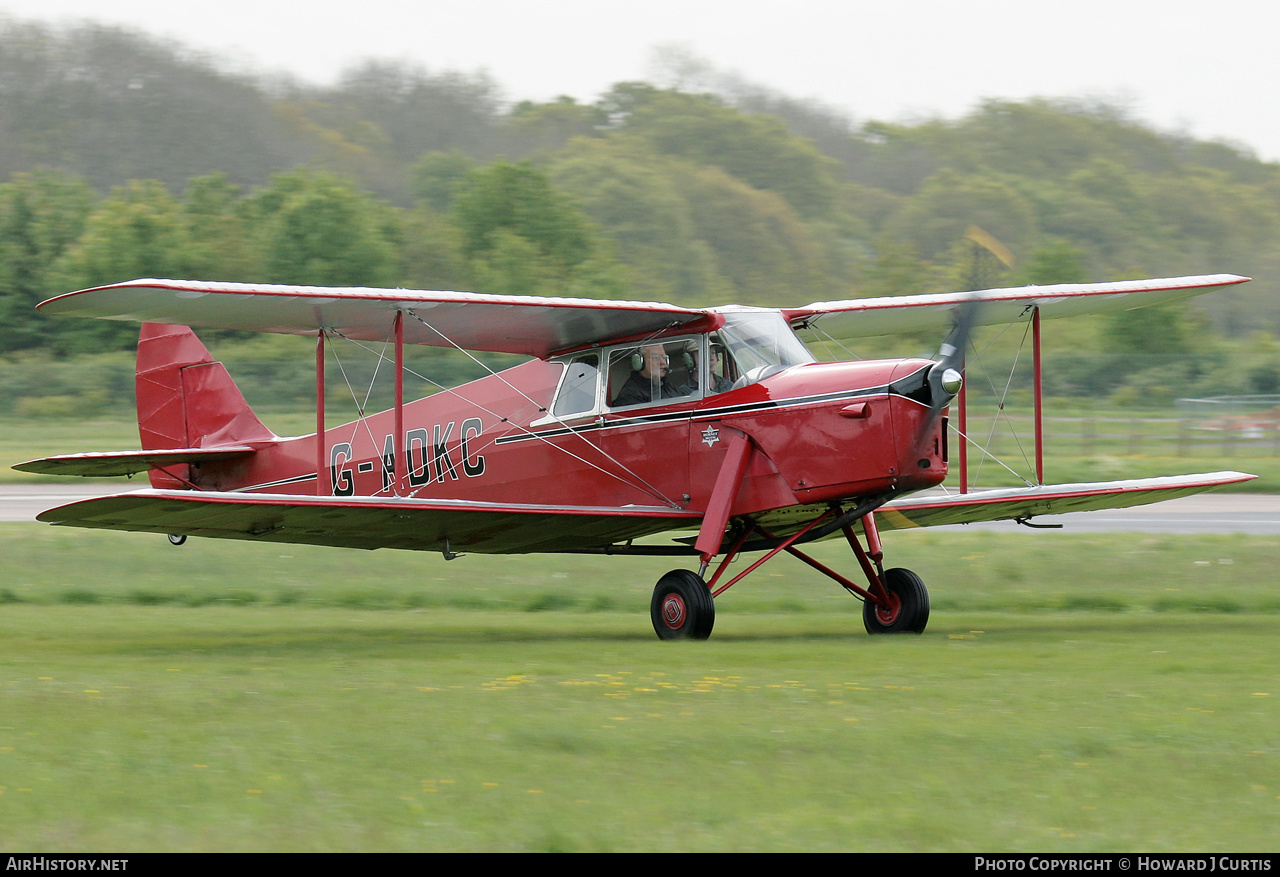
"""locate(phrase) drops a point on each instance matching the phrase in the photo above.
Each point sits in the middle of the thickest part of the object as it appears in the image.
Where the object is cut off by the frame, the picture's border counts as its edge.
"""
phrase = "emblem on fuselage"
(710, 436)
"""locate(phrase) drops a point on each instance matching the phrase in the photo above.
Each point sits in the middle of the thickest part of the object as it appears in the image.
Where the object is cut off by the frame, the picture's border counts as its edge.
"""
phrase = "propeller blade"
(946, 377)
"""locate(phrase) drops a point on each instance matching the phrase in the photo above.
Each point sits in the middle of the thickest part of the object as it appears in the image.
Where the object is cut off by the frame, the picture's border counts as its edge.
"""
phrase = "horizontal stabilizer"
(1051, 499)
(370, 522)
(101, 464)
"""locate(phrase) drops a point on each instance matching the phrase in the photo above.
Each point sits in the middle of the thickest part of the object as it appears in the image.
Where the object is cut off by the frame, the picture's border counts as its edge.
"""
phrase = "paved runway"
(22, 502)
(1258, 514)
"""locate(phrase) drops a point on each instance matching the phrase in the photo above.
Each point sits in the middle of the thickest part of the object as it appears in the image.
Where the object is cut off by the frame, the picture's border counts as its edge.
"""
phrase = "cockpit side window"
(578, 387)
(661, 371)
(722, 369)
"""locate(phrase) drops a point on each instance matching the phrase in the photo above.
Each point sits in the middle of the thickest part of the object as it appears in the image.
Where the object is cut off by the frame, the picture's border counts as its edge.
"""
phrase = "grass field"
(1074, 692)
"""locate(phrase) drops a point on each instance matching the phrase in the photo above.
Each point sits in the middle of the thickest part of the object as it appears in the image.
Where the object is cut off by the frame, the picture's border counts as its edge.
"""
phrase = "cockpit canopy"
(750, 346)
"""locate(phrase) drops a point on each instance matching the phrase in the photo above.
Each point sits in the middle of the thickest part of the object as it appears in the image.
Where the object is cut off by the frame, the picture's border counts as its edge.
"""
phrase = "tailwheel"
(907, 609)
(682, 607)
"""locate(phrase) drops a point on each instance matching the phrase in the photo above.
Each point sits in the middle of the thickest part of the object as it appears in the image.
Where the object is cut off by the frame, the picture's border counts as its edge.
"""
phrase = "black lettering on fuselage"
(470, 428)
(440, 444)
(340, 477)
(419, 468)
(388, 462)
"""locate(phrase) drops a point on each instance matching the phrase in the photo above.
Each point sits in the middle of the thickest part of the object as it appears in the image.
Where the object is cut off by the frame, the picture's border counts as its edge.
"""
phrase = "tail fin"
(185, 398)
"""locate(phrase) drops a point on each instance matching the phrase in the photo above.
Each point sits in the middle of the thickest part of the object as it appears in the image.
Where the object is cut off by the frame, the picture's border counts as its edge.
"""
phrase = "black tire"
(908, 611)
(682, 606)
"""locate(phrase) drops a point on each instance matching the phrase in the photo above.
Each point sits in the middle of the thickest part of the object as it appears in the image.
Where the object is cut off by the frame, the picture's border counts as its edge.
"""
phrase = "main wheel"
(682, 607)
(908, 607)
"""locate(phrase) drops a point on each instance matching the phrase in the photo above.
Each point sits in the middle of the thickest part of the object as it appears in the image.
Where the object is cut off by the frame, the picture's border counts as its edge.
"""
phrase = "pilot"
(652, 374)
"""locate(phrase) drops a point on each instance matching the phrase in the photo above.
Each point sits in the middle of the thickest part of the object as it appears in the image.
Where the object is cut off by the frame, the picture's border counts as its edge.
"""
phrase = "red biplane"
(631, 419)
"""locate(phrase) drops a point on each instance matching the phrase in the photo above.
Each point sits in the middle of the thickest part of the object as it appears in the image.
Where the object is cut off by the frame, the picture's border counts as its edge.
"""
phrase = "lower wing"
(514, 528)
(1052, 499)
(371, 522)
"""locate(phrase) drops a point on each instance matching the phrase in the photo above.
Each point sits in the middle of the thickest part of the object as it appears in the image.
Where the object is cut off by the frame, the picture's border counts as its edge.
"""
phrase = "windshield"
(762, 339)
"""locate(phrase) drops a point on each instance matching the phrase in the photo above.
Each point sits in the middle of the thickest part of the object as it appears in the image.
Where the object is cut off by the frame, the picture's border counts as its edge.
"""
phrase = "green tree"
(417, 111)
(438, 177)
(949, 203)
(318, 229)
(761, 246)
(430, 252)
(41, 216)
(137, 232)
(757, 149)
(896, 270)
(522, 235)
(534, 129)
(221, 240)
(1162, 329)
(634, 197)
(1058, 262)
(517, 199)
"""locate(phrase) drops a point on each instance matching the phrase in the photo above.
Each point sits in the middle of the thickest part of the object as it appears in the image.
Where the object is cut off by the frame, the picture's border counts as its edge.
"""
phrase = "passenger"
(719, 383)
(652, 375)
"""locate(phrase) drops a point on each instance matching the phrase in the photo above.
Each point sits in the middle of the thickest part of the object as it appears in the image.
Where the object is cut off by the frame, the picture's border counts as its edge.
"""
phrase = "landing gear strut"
(894, 600)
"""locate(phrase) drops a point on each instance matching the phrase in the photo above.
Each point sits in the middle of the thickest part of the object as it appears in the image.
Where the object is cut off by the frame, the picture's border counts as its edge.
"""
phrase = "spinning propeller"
(946, 376)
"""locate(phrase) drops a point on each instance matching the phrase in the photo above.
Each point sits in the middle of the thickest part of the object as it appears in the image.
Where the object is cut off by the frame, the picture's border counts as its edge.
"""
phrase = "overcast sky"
(1211, 70)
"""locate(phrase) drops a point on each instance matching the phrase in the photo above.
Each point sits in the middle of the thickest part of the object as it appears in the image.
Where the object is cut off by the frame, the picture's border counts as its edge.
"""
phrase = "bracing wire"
(1000, 406)
(638, 483)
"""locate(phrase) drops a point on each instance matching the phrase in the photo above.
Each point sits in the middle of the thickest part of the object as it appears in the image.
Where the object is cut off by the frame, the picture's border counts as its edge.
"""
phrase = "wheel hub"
(887, 612)
(673, 611)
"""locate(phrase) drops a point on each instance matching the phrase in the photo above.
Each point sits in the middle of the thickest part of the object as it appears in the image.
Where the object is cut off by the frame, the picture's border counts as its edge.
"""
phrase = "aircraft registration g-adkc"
(631, 419)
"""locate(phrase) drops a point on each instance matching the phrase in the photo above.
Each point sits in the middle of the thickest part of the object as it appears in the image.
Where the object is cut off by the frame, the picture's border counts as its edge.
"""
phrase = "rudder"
(185, 398)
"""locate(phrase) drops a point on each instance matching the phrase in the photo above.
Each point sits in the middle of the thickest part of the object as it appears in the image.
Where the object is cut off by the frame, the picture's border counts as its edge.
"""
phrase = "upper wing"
(528, 325)
(536, 326)
(370, 522)
(1056, 499)
(859, 318)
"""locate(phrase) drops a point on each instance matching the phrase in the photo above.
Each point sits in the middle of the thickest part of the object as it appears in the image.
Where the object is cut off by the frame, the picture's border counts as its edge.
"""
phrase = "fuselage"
(825, 432)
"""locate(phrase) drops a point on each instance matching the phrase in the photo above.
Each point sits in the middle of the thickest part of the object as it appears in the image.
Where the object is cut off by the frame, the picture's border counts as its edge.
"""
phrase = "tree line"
(128, 158)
